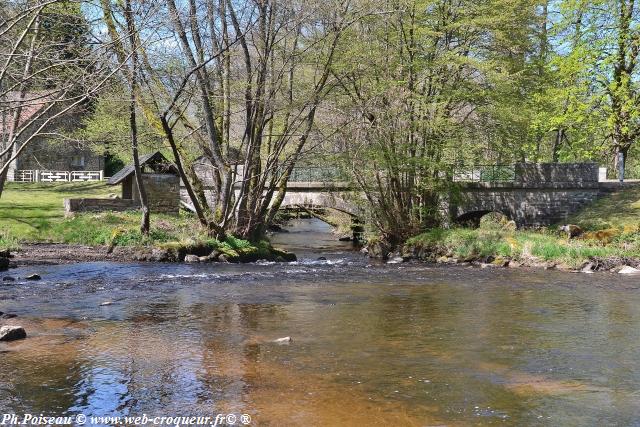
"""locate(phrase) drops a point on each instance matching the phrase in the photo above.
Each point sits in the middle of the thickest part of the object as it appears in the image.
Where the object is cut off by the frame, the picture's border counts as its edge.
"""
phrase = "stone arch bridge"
(529, 194)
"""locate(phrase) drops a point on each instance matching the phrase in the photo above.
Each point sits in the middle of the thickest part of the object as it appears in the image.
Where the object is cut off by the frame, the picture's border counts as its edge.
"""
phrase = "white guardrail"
(56, 176)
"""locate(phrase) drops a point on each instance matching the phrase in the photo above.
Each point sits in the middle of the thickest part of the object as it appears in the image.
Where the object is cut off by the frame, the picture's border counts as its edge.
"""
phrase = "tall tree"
(420, 80)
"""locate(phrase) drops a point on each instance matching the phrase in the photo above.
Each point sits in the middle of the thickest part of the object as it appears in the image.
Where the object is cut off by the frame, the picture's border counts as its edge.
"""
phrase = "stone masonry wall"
(541, 194)
(163, 192)
(527, 206)
(97, 205)
(535, 173)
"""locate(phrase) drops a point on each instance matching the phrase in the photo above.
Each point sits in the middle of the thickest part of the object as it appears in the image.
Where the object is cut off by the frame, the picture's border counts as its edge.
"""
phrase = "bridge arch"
(473, 217)
(320, 200)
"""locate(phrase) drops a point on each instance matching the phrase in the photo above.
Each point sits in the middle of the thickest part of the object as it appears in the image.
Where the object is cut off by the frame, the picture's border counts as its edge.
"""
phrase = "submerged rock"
(33, 277)
(12, 333)
(628, 270)
(285, 340)
(8, 279)
(106, 303)
(191, 258)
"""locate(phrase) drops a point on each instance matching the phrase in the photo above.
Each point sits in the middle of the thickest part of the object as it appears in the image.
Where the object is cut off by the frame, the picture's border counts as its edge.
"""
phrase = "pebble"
(12, 333)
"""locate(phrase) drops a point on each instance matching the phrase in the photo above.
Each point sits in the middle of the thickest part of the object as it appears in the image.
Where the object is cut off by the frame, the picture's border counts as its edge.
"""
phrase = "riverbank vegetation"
(33, 213)
(609, 235)
(401, 98)
(542, 248)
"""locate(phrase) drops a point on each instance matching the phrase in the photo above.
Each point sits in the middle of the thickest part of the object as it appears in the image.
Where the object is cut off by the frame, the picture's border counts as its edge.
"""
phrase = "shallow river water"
(372, 344)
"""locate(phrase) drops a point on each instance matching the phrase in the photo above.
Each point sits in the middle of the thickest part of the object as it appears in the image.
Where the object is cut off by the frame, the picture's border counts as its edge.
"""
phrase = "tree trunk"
(133, 125)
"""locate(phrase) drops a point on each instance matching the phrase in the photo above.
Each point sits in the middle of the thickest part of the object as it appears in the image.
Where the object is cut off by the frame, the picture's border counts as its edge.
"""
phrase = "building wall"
(44, 155)
(163, 192)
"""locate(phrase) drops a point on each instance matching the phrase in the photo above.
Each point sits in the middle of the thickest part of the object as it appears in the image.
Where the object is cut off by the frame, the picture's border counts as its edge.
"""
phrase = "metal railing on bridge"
(475, 173)
(317, 174)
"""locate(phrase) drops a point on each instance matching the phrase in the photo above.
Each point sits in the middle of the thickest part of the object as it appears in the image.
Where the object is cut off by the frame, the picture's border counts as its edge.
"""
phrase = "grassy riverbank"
(33, 213)
(611, 232)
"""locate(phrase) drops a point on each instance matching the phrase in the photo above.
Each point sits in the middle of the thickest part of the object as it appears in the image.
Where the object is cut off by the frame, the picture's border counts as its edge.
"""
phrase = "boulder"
(160, 255)
(587, 267)
(378, 249)
(5, 253)
(4, 264)
(191, 258)
(628, 270)
(12, 333)
(571, 230)
(33, 277)
(286, 256)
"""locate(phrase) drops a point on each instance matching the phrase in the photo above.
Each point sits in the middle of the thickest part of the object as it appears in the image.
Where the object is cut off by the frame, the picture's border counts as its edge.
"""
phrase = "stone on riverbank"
(4, 264)
(628, 270)
(12, 333)
(587, 267)
(191, 258)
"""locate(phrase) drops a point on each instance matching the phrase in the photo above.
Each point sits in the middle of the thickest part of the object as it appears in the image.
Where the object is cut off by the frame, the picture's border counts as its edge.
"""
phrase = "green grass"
(29, 209)
(33, 212)
(618, 210)
(523, 246)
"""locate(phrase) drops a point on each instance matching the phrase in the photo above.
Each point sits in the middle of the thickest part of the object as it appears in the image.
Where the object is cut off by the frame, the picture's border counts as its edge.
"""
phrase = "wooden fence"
(56, 176)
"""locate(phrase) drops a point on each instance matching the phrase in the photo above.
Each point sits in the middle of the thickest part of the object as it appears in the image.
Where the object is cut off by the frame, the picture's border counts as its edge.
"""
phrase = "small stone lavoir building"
(161, 181)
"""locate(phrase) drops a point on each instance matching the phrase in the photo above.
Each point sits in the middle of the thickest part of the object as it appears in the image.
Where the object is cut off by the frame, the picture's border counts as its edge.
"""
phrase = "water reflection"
(372, 344)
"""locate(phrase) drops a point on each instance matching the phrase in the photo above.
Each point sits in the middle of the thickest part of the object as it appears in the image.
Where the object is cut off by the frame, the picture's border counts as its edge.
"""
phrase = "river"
(371, 344)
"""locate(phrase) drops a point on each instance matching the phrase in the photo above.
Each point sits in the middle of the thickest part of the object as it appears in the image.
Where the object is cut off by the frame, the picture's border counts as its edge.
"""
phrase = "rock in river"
(8, 279)
(12, 333)
(285, 340)
(33, 277)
